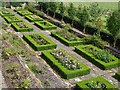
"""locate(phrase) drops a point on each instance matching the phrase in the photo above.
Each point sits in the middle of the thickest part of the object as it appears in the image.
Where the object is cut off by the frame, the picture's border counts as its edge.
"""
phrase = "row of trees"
(86, 15)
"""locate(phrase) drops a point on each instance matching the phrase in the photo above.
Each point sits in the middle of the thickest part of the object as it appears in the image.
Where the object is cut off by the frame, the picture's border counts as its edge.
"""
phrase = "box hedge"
(24, 12)
(65, 41)
(82, 85)
(37, 46)
(18, 29)
(10, 19)
(63, 71)
(117, 76)
(94, 60)
(7, 12)
(33, 19)
(41, 25)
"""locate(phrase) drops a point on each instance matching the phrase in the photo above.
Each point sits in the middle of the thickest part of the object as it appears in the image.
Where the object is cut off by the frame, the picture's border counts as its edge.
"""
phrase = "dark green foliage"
(117, 76)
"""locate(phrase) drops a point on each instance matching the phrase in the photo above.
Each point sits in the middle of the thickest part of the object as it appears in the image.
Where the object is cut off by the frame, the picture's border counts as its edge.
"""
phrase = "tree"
(99, 25)
(41, 5)
(113, 24)
(83, 16)
(62, 10)
(72, 12)
(54, 7)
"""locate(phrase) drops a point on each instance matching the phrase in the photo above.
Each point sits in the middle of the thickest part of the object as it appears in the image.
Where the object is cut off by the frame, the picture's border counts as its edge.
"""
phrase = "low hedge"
(28, 17)
(18, 29)
(117, 76)
(38, 47)
(6, 14)
(65, 41)
(82, 85)
(62, 70)
(94, 60)
(44, 27)
(24, 12)
(10, 20)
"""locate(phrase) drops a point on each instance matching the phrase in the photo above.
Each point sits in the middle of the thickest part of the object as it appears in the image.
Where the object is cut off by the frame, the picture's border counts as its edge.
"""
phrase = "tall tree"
(83, 16)
(72, 12)
(113, 25)
(62, 10)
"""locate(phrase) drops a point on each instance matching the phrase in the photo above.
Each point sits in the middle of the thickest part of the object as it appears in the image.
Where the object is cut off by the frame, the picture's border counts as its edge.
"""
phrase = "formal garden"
(65, 45)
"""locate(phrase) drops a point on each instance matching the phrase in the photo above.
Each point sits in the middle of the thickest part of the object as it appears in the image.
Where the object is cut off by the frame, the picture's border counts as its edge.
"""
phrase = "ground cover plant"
(22, 26)
(45, 25)
(33, 18)
(11, 19)
(39, 42)
(65, 64)
(24, 12)
(95, 84)
(101, 58)
(67, 37)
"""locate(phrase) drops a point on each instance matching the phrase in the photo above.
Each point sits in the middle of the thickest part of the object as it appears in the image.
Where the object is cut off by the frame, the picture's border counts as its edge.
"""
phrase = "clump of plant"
(66, 60)
(94, 40)
(94, 85)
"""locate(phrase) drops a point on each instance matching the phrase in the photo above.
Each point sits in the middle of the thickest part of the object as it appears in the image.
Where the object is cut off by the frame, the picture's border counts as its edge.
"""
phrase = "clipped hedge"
(36, 46)
(117, 76)
(94, 60)
(41, 25)
(82, 85)
(65, 41)
(62, 70)
(33, 19)
(24, 12)
(10, 19)
(18, 29)
(7, 12)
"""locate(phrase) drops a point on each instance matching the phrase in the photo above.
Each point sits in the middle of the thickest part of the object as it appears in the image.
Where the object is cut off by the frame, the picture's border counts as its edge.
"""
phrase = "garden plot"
(66, 64)
(67, 38)
(11, 19)
(101, 58)
(24, 12)
(39, 42)
(5, 12)
(33, 18)
(22, 26)
(44, 25)
(95, 83)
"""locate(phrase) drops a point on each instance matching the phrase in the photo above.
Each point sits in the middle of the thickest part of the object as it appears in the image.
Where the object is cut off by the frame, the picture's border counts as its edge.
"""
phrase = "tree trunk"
(114, 43)
(54, 15)
(84, 29)
(47, 12)
(72, 22)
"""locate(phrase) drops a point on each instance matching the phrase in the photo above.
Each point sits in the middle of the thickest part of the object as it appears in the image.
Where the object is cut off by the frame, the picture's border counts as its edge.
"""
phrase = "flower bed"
(44, 25)
(33, 18)
(11, 19)
(117, 76)
(22, 26)
(39, 42)
(101, 58)
(67, 38)
(66, 64)
(5, 12)
(97, 83)
(24, 12)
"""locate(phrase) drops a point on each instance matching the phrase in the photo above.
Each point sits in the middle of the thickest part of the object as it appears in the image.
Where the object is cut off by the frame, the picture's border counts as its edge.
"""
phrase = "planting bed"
(66, 64)
(44, 25)
(33, 18)
(24, 12)
(22, 26)
(11, 19)
(95, 83)
(39, 42)
(5, 12)
(101, 58)
(67, 38)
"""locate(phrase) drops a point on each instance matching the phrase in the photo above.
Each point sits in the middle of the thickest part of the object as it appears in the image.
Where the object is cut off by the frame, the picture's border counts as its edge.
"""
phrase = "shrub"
(117, 76)
(24, 12)
(33, 18)
(98, 57)
(94, 84)
(35, 43)
(5, 12)
(63, 69)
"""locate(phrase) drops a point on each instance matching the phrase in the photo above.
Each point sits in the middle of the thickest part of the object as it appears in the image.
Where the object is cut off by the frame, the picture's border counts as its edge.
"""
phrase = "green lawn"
(104, 5)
